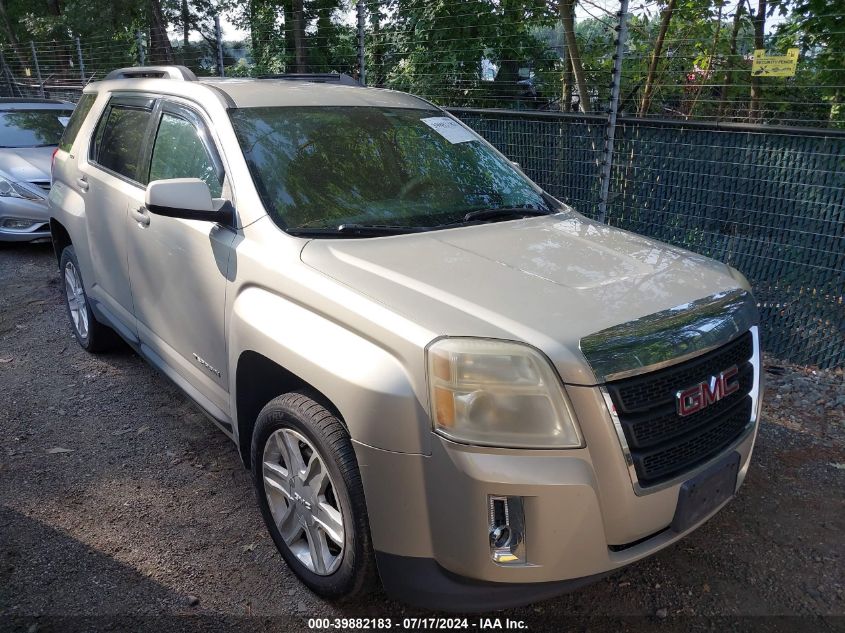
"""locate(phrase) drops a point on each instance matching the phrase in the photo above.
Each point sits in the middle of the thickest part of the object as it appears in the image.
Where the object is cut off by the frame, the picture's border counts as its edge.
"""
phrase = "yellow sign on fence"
(774, 65)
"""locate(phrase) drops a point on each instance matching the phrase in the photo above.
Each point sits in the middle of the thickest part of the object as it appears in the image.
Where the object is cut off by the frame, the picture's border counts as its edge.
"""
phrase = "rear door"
(178, 268)
(110, 181)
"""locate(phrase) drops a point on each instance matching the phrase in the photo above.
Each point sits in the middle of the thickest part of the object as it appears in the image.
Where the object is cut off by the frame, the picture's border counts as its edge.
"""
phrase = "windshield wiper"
(356, 230)
(504, 212)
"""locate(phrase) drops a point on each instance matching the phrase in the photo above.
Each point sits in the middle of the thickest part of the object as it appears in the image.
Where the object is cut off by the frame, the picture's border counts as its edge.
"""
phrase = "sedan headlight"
(497, 393)
(11, 189)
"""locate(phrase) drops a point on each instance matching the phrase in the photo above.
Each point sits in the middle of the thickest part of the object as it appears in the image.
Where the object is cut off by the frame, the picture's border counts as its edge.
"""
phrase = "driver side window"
(180, 153)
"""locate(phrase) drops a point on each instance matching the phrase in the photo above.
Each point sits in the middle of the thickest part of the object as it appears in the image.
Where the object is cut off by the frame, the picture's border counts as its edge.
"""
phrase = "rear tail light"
(53, 163)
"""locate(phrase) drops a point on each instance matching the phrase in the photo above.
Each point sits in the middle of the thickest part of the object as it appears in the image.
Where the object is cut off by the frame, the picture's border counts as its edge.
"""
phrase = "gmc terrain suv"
(439, 375)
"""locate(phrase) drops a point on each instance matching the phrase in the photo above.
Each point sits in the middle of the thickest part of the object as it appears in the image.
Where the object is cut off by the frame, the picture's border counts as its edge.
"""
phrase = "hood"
(26, 164)
(547, 281)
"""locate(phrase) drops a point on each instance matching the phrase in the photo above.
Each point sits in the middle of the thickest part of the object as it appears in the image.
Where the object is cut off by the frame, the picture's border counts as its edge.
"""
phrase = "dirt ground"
(145, 518)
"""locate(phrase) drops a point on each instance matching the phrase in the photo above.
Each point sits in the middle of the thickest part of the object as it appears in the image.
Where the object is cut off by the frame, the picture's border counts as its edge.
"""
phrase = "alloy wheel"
(76, 301)
(302, 500)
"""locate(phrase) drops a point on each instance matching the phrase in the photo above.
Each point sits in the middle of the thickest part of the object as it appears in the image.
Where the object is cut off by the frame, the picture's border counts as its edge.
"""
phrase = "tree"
(732, 54)
(9, 32)
(706, 75)
(567, 18)
(376, 67)
(161, 52)
(300, 56)
(759, 21)
(648, 89)
(820, 35)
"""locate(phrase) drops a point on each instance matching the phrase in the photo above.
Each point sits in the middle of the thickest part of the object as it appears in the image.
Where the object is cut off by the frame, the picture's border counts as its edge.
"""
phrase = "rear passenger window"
(76, 120)
(180, 153)
(119, 138)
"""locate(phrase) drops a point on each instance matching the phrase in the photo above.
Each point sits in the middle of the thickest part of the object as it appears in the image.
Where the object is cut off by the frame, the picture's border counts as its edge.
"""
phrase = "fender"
(369, 386)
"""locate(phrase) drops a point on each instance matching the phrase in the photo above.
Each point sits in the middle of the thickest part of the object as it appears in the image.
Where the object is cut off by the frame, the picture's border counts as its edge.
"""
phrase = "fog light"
(507, 529)
(17, 224)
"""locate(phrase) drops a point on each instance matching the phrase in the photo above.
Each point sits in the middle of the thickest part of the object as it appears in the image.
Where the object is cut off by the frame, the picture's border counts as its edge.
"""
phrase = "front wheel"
(310, 494)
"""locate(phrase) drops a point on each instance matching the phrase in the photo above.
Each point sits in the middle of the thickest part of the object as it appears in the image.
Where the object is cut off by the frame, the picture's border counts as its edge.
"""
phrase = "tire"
(92, 335)
(329, 569)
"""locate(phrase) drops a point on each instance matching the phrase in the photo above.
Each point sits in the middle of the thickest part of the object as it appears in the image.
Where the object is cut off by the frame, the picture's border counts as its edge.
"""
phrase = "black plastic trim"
(421, 582)
(225, 215)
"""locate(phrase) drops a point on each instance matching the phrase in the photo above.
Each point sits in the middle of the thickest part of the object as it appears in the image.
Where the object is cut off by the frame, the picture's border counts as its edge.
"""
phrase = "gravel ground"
(122, 508)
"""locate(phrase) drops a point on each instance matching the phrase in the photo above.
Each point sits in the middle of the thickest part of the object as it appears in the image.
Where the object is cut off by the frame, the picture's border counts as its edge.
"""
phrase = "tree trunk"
(160, 50)
(375, 76)
(186, 24)
(566, 97)
(567, 18)
(754, 113)
(10, 34)
(729, 73)
(648, 90)
(298, 27)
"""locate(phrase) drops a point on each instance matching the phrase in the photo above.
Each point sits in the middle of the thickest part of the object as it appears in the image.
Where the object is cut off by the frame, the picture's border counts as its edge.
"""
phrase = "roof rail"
(181, 73)
(321, 78)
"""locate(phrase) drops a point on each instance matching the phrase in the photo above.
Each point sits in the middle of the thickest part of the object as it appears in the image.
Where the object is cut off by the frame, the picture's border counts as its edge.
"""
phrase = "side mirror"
(186, 198)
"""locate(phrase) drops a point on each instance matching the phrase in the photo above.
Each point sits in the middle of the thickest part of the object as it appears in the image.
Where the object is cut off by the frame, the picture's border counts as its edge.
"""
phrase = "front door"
(178, 268)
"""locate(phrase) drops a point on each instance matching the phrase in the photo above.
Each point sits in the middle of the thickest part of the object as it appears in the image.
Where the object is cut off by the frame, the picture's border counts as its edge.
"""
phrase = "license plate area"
(705, 492)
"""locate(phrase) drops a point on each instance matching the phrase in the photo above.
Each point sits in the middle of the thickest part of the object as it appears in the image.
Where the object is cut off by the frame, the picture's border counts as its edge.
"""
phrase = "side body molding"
(368, 384)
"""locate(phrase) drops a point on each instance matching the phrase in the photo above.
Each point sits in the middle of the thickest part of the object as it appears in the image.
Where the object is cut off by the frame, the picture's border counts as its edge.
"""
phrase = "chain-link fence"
(699, 123)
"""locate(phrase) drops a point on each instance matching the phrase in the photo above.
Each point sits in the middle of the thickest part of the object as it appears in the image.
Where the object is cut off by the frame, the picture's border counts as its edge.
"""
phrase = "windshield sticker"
(450, 129)
(64, 120)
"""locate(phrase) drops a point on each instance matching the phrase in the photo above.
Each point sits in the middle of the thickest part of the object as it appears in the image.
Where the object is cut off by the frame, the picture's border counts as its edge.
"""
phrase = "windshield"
(32, 128)
(323, 167)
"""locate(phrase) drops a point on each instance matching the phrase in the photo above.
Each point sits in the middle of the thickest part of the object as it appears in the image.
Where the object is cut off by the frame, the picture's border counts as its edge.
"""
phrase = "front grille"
(663, 444)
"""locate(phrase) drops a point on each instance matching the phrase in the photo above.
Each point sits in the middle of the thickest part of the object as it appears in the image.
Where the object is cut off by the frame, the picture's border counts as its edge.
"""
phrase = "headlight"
(497, 393)
(11, 189)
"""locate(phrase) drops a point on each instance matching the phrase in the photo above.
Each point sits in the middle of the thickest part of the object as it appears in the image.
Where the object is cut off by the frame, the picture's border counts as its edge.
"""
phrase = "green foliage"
(819, 32)
(464, 35)
(483, 53)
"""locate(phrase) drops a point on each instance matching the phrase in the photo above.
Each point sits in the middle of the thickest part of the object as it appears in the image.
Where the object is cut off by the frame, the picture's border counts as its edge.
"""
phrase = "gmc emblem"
(705, 393)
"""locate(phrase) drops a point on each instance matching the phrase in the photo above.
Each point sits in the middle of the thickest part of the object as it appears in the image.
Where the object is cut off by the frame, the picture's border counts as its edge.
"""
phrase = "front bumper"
(33, 210)
(583, 518)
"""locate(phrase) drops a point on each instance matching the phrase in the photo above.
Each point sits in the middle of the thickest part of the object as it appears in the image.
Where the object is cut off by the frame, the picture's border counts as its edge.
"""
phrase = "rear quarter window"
(76, 120)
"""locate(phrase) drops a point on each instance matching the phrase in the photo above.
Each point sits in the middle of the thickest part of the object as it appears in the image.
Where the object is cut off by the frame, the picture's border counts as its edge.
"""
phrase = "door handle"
(141, 216)
(82, 183)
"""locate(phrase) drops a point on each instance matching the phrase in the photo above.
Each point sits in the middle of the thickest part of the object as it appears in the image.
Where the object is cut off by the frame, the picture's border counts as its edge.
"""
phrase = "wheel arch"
(258, 380)
(60, 238)
(277, 345)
